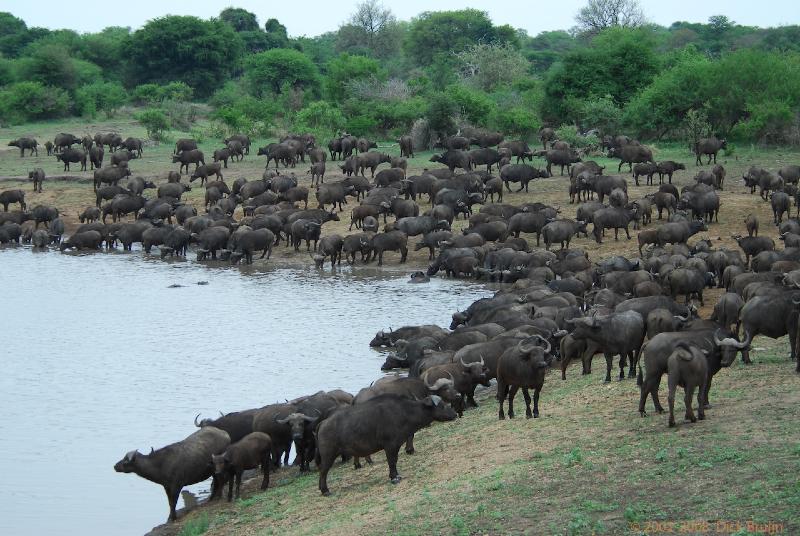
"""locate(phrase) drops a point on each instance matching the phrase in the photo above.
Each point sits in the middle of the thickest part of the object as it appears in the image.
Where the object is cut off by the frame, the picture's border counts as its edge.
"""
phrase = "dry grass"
(71, 192)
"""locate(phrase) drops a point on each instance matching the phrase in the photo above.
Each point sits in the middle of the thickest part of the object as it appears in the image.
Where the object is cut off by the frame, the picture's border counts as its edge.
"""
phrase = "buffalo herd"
(554, 304)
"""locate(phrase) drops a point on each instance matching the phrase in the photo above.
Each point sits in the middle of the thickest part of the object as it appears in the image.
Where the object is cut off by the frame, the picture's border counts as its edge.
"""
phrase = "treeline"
(378, 76)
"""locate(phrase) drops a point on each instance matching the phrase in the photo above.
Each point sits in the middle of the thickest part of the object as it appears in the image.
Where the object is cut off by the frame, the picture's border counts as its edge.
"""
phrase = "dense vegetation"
(377, 76)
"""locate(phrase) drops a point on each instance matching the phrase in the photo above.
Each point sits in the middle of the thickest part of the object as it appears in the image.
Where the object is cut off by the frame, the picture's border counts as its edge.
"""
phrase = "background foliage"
(377, 76)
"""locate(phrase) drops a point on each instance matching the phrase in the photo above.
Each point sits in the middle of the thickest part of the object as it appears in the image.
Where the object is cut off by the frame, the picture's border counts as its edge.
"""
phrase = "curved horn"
(281, 421)
(152, 450)
(221, 414)
(793, 300)
(546, 350)
(440, 383)
(461, 360)
(482, 361)
(195, 421)
(682, 318)
(310, 419)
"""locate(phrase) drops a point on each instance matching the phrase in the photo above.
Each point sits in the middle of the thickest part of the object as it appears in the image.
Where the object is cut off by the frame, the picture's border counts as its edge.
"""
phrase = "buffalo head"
(297, 423)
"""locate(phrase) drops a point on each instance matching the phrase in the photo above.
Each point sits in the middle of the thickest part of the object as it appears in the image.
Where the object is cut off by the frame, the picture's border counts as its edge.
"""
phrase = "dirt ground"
(71, 191)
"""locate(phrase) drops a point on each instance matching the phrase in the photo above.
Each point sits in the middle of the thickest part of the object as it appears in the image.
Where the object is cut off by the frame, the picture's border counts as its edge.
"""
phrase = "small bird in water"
(202, 282)
(175, 285)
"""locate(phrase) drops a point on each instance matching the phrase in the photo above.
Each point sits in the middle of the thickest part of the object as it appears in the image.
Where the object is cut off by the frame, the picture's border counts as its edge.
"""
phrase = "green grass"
(196, 526)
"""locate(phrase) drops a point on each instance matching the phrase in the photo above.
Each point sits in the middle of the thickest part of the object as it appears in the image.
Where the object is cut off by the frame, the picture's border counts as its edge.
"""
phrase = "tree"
(372, 17)
(433, 33)
(107, 49)
(276, 34)
(200, 53)
(618, 63)
(599, 15)
(13, 34)
(488, 65)
(52, 66)
(696, 125)
(347, 69)
(239, 19)
(547, 48)
(441, 110)
(372, 30)
(269, 71)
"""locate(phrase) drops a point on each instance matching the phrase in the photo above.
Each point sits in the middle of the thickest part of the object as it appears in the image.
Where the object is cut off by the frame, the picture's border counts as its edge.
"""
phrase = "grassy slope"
(588, 465)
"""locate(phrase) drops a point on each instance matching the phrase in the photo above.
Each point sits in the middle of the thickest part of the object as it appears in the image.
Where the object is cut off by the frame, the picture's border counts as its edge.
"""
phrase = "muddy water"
(100, 357)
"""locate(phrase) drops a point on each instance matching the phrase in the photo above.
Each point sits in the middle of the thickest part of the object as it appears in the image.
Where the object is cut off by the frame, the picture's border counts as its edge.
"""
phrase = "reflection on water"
(101, 357)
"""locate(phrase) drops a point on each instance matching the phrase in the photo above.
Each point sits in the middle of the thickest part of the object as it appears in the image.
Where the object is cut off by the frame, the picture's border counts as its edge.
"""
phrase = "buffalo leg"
(793, 339)
(502, 392)
(172, 498)
(471, 397)
(391, 458)
(632, 365)
(671, 400)
(238, 484)
(701, 411)
(536, 391)
(527, 397)
(609, 364)
(688, 395)
(265, 470)
(326, 460)
(622, 366)
(410, 444)
(512, 392)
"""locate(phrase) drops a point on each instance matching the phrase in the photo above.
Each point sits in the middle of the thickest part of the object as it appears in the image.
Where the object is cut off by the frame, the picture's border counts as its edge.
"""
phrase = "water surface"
(101, 357)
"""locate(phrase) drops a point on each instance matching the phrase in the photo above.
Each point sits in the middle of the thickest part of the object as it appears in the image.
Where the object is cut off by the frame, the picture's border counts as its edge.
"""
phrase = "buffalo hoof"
(410, 451)
(396, 480)
(672, 424)
(502, 417)
(326, 493)
(535, 414)
(643, 413)
(659, 410)
(607, 380)
(528, 416)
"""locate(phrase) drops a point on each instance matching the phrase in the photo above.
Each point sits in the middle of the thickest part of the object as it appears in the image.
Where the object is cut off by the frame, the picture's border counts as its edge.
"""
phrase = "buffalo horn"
(195, 420)
(438, 384)
(546, 350)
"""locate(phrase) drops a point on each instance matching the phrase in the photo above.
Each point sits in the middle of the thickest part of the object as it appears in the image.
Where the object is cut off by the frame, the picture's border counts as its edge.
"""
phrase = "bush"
(441, 110)
(105, 97)
(518, 122)
(29, 101)
(155, 121)
(362, 125)
(150, 94)
(473, 105)
(320, 118)
(570, 134)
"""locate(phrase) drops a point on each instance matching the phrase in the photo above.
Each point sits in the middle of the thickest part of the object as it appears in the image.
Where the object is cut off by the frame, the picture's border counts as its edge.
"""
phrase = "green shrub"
(362, 125)
(570, 134)
(29, 101)
(155, 121)
(105, 97)
(320, 118)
